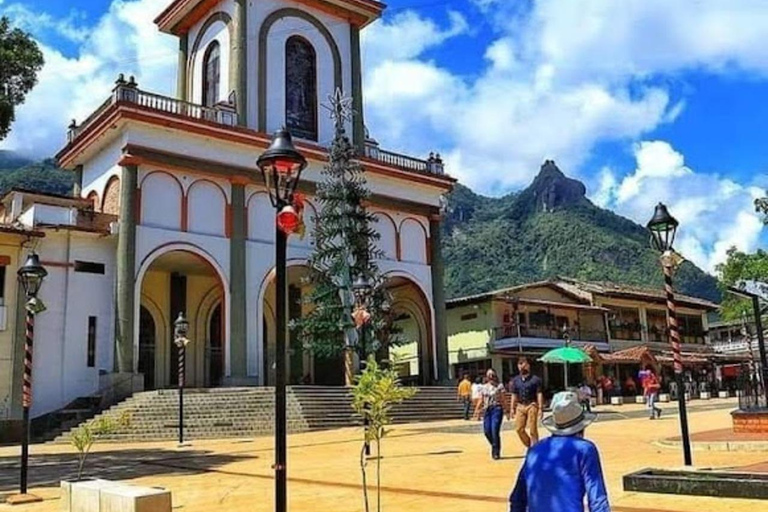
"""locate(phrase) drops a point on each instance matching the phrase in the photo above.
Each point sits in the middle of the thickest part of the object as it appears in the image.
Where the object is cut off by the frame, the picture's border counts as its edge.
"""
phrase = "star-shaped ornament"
(340, 106)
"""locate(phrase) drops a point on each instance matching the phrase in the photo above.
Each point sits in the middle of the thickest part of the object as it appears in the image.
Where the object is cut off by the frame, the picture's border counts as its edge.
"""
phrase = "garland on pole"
(344, 249)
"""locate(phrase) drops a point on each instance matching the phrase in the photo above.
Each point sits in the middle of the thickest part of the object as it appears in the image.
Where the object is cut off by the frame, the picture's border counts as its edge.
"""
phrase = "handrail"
(526, 331)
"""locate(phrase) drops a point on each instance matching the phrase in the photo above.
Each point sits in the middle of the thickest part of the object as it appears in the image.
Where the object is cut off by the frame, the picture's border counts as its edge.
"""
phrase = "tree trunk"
(365, 481)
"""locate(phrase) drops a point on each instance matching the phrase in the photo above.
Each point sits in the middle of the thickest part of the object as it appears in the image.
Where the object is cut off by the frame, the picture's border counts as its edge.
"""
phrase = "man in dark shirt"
(527, 403)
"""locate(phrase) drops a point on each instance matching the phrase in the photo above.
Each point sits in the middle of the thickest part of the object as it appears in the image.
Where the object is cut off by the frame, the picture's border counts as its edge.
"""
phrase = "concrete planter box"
(722, 394)
(93, 495)
(705, 395)
(639, 399)
(699, 483)
(664, 397)
(617, 400)
(687, 397)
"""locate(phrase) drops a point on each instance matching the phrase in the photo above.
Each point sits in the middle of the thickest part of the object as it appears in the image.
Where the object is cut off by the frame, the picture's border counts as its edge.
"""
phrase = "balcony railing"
(226, 114)
(128, 92)
(549, 333)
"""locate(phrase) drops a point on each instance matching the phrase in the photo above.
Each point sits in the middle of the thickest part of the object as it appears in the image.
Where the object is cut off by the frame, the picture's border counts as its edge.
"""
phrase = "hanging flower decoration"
(361, 316)
(290, 220)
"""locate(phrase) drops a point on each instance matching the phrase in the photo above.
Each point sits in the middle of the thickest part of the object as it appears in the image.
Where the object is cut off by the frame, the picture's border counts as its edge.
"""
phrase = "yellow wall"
(9, 247)
(468, 339)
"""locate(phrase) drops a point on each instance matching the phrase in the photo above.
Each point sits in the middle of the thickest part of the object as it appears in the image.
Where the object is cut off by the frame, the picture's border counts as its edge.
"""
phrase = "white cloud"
(123, 40)
(41, 22)
(559, 78)
(715, 213)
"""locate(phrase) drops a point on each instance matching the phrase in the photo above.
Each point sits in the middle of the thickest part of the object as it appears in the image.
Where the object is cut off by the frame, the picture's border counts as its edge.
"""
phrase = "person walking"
(464, 394)
(585, 396)
(527, 403)
(494, 399)
(651, 387)
(477, 402)
(560, 470)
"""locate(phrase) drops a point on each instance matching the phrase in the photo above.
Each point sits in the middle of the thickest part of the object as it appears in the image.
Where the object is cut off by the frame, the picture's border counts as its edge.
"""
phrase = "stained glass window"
(300, 88)
(211, 74)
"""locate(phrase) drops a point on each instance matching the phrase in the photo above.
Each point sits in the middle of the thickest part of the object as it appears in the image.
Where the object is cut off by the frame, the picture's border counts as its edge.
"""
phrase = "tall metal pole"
(181, 392)
(363, 360)
(674, 338)
(761, 345)
(281, 504)
(26, 397)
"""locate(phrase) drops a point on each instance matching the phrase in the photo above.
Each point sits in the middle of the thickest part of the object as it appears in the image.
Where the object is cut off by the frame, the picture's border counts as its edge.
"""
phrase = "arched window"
(301, 88)
(211, 74)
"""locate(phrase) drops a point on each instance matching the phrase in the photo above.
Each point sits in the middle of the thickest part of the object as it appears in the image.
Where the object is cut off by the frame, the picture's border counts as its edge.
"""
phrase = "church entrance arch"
(184, 279)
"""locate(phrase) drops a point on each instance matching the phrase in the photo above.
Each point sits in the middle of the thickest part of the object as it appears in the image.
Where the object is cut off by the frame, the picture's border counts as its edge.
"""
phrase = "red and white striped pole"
(674, 339)
(26, 396)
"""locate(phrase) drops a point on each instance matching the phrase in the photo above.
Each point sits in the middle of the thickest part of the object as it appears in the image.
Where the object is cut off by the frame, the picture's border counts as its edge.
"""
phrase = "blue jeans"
(652, 399)
(467, 405)
(492, 428)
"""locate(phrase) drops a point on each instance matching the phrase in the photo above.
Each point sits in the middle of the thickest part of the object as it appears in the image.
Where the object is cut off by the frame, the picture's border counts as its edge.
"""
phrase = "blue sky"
(643, 100)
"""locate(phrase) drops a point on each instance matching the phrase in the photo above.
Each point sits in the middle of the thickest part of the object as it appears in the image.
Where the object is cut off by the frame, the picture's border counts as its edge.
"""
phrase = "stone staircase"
(249, 412)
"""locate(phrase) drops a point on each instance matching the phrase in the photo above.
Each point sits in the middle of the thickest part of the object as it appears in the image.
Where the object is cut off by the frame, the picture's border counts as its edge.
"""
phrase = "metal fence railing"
(750, 388)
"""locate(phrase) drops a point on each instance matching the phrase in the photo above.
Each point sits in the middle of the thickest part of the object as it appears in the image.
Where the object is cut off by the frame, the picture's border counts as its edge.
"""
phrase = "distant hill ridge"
(547, 230)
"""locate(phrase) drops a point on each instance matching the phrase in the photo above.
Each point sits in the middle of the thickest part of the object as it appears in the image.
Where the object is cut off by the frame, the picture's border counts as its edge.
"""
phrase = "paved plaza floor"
(428, 466)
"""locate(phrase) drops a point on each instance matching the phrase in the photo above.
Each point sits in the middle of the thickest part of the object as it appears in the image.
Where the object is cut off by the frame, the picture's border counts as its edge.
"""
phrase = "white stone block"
(82, 496)
(687, 397)
(722, 394)
(593, 401)
(664, 397)
(135, 499)
(639, 399)
(617, 400)
(705, 395)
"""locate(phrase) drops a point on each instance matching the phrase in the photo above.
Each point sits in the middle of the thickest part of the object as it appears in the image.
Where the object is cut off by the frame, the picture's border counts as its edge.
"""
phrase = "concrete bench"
(704, 395)
(617, 400)
(664, 397)
(639, 399)
(722, 394)
(108, 496)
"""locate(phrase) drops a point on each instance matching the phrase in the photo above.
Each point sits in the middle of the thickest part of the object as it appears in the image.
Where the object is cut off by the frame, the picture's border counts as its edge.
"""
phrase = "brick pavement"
(422, 469)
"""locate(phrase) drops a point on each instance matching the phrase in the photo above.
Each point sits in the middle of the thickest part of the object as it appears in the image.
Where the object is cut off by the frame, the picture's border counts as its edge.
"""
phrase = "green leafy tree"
(345, 249)
(44, 177)
(84, 436)
(21, 61)
(376, 390)
(740, 266)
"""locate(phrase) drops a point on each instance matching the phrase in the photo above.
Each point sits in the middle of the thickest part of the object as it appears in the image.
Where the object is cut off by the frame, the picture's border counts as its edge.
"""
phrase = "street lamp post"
(663, 228)
(281, 165)
(31, 277)
(180, 331)
(362, 289)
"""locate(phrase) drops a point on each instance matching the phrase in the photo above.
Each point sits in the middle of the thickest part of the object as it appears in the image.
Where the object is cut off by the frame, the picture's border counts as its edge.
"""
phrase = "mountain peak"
(551, 188)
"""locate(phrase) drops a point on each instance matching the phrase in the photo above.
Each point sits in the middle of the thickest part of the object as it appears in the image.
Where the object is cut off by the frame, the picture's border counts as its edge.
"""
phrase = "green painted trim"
(213, 18)
(358, 124)
(126, 268)
(237, 269)
(240, 62)
(77, 186)
(290, 12)
(181, 73)
(438, 299)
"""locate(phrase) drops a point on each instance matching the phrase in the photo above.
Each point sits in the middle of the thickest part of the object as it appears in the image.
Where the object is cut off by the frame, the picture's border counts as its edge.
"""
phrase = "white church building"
(169, 213)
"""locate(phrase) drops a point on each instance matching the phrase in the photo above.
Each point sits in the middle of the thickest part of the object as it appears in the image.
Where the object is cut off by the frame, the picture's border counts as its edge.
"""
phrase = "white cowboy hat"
(568, 416)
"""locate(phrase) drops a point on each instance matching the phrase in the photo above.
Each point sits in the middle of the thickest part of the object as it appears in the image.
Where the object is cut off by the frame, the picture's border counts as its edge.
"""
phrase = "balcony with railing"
(225, 114)
(547, 333)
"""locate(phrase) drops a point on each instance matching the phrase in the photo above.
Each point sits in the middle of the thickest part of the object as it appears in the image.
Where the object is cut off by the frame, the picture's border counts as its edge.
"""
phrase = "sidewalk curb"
(717, 446)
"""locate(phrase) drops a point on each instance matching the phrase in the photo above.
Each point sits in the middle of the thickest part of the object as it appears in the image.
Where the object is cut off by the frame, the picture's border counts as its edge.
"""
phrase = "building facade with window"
(492, 330)
(178, 216)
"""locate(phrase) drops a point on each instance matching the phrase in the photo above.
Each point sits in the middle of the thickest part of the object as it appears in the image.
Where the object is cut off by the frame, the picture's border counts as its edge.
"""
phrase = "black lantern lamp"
(281, 165)
(361, 288)
(181, 327)
(31, 275)
(663, 227)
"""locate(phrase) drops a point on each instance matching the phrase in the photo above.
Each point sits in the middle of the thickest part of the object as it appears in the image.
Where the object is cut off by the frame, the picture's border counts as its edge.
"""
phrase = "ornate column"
(126, 266)
(358, 122)
(237, 315)
(181, 77)
(240, 61)
(438, 298)
(77, 186)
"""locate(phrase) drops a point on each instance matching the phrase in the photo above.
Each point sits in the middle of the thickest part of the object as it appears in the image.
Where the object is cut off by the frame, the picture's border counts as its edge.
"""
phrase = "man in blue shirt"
(560, 470)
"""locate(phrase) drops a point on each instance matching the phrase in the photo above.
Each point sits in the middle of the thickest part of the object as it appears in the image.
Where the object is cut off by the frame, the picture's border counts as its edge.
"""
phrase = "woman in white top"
(476, 401)
(495, 405)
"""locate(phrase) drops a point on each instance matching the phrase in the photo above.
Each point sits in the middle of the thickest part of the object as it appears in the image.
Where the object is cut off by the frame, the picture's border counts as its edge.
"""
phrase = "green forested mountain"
(549, 229)
(44, 176)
